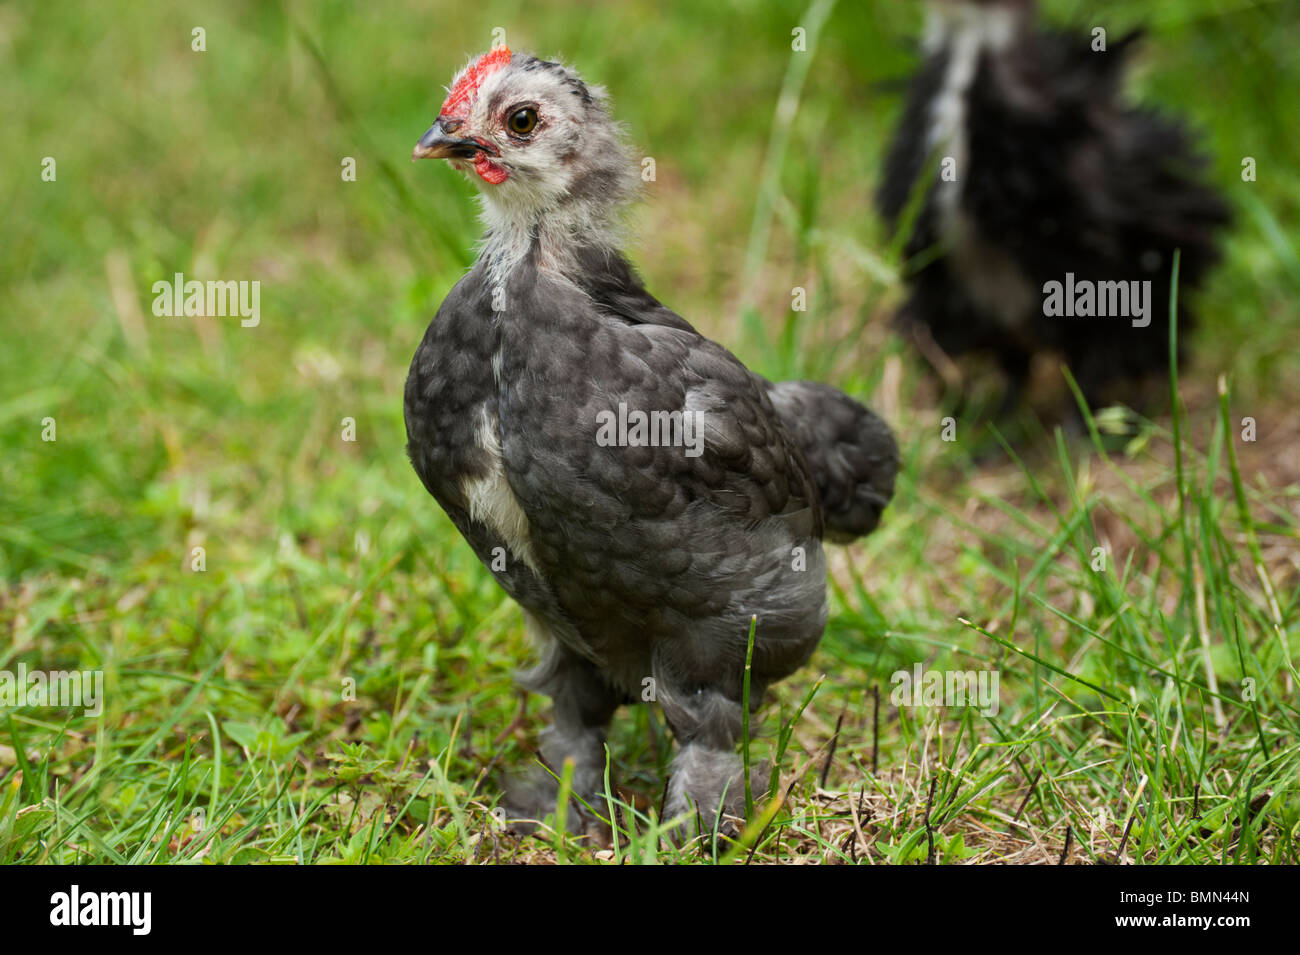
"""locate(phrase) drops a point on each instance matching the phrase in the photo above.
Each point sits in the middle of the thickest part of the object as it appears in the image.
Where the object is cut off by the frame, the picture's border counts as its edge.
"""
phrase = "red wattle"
(489, 171)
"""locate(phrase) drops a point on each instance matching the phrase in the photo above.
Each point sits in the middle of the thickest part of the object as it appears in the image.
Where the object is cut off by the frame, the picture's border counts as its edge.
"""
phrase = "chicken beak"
(436, 143)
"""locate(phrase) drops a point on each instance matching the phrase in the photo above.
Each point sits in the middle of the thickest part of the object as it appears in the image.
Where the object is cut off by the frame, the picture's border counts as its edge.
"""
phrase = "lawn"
(303, 662)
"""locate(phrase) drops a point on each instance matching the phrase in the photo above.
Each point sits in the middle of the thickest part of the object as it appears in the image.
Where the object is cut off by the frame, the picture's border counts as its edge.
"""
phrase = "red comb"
(466, 88)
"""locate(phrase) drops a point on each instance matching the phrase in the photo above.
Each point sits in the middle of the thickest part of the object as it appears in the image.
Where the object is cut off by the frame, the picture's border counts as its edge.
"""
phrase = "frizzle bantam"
(638, 555)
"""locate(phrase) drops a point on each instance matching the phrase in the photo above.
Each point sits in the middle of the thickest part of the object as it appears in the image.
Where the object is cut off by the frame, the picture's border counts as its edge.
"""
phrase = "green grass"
(336, 684)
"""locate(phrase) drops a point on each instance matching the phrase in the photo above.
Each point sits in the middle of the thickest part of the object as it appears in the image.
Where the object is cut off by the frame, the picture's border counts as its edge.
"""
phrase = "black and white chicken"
(638, 553)
(1043, 174)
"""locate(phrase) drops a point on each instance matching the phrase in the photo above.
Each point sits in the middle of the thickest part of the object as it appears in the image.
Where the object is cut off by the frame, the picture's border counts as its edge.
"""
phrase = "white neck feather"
(966, 32)
(963, 25)
(559, 233)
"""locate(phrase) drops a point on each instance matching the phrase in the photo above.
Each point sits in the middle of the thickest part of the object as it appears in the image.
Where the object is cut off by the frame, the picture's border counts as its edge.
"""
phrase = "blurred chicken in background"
(1055, 208)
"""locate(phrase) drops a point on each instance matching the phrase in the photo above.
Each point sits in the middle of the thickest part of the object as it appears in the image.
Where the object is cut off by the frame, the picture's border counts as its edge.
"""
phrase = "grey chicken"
(637, 551)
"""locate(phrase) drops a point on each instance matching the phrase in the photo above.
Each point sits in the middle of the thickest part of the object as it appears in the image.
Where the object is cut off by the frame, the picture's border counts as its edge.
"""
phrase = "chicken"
(636, 489)
(1046, 185)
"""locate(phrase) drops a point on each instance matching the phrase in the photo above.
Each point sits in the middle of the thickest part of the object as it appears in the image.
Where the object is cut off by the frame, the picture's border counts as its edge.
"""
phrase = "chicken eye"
(522, 122)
